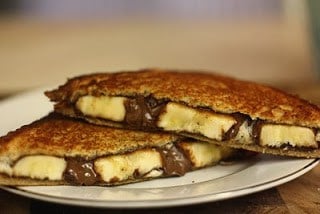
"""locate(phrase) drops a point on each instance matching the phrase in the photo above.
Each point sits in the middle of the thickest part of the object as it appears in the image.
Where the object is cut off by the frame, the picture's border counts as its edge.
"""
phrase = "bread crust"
(196, 89)
(60, 136)
(22, 181)
(56, 135)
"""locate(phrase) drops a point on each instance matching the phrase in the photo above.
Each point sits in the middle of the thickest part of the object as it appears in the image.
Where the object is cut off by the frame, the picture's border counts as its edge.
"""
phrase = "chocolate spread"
(233, 131)
(143, 111)
(80, 172)
(256, 130)
(174, 161)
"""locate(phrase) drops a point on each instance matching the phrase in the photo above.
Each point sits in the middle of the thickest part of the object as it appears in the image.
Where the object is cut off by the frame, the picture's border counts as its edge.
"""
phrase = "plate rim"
(154, 203)
(159, 203)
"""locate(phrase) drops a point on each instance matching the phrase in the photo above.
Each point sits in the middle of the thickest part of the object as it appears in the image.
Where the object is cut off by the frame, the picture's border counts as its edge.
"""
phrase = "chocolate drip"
(233, 131)
(80, 172)
(256, 130)
(174, 161)
(143, 111)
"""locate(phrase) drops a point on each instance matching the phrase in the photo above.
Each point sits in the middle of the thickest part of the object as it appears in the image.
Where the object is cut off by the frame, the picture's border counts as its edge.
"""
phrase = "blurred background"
(43, 42)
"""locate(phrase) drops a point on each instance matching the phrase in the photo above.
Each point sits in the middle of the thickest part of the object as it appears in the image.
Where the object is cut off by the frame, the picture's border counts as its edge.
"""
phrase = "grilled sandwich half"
(206, 106)
(56, 150)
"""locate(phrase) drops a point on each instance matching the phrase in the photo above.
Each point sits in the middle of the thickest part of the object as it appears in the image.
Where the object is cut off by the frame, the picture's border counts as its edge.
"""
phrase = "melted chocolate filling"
(256, 130)
(233, 131)
(143, 111)
(174, 161)
(80, 172)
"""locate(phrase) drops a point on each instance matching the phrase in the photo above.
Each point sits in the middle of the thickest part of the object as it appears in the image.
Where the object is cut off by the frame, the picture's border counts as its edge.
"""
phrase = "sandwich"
(206, 106)
(56, 150)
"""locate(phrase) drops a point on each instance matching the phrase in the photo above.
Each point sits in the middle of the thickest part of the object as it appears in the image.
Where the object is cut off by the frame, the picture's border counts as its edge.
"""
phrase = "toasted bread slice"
(206, 106)
(56, 150)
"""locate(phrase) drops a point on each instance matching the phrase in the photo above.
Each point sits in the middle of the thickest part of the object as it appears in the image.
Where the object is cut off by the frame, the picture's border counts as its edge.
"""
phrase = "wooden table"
(301, 195)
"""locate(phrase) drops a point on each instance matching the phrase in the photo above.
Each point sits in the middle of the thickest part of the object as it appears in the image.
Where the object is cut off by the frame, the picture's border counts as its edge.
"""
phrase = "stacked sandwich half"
(116, 128)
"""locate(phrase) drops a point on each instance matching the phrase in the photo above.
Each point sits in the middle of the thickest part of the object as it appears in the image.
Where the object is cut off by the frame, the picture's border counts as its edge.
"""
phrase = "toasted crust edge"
(209, 90)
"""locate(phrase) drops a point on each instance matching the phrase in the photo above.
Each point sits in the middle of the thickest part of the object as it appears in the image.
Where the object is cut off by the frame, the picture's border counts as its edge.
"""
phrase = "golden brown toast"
(56, 150)
(205, 90)
(56, 135)
(207, 106)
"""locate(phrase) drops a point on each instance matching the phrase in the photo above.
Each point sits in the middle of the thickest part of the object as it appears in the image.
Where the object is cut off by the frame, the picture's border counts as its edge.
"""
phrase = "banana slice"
(40, 167)
(278, 135)
(111, 108)
(177, 117)
(123, 167)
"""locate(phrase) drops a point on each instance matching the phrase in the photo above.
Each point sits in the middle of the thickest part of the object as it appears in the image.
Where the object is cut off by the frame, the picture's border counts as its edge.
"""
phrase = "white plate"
(212, 184)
